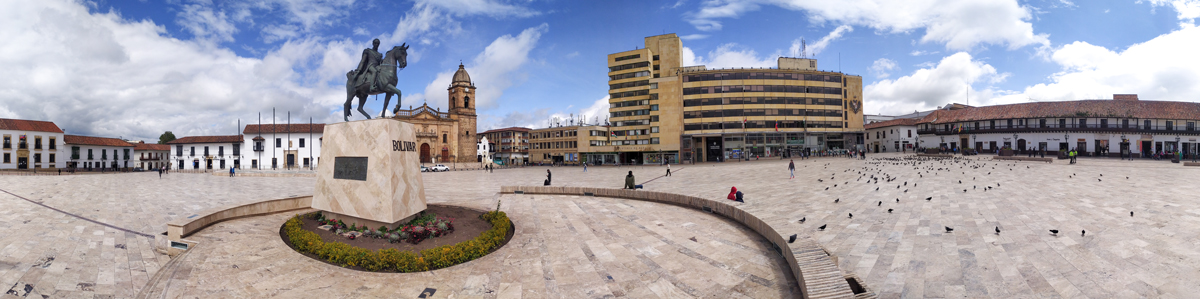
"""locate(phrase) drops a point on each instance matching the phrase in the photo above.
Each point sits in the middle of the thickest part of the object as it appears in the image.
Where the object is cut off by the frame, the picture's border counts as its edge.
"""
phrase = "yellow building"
(660, 110)
(570, 145)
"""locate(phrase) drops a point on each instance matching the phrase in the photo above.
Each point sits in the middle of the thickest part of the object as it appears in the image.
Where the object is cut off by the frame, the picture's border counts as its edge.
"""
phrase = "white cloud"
(114, 77)
(882, 66)
(837, 33)
(573, 54)
(492, 71)
(205, 23)
(920, 53)
(1162, 68)
(539, 118)
(480, 7)
(729, 55)
(1188, 10)
(947, 82)
(693, 36)
(959, 24)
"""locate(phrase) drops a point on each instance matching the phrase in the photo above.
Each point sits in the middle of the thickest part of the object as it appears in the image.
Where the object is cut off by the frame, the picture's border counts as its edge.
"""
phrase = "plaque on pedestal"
(370, 173)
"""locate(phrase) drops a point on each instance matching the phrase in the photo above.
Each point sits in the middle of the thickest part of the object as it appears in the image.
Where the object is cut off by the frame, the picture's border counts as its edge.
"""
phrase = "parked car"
(424, 169)
(439, 167)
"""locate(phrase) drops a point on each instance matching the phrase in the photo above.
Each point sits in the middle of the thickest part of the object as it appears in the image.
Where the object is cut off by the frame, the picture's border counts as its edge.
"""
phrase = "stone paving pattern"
(903, 254)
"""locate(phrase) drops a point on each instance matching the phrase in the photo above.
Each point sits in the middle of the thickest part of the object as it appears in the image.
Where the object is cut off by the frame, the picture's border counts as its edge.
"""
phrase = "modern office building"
(1093, 127)
(661, 110)
(509, 146)
(570, 145)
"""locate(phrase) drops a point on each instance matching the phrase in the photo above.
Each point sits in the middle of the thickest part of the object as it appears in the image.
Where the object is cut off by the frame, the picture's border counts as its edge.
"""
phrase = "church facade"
(447, 136)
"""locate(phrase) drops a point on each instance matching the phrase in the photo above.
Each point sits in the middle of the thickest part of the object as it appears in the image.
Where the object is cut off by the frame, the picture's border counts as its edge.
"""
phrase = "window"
(653, 129)
(1191, 126)
(1124, 123)
(205, 150)
(53, 145)
(179, 150)
(993, 125)
(910, 131)
(1170, 125)
(37, 143)
(655, 57)
(103, 154)
(237, 149)
(126, 154)
(1083, 123)
(443, 138)
(278, 143)
(1062, 123)
(654, 140)
(192, 151)
(75, 153)
(1147, 124)
(7, 141)
(1104, 123)
(221, 151)
(1009, 124)
(1042, 123)
(6, 158)
(653, 85)
(653, 107)
(301, 142)
(51, 158)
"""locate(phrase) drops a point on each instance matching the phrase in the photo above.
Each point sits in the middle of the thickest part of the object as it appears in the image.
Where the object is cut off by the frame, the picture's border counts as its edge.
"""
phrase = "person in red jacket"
(734, 194)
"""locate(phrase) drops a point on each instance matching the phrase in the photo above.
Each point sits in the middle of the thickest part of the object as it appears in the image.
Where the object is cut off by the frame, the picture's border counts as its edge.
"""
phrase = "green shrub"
(399, 261)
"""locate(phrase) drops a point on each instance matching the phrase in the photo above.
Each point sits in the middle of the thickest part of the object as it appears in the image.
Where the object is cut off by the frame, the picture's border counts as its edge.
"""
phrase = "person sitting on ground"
(734, 194)
(629, 184)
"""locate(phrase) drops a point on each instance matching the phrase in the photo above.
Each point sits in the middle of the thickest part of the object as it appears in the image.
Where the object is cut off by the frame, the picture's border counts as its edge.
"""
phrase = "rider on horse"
(368, 67)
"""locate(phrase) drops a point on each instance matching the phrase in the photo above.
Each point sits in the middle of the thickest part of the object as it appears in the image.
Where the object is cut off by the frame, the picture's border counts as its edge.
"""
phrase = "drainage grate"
(707, 209)
(589, 194)
(179, 245)
(427, 293)
(518, 192)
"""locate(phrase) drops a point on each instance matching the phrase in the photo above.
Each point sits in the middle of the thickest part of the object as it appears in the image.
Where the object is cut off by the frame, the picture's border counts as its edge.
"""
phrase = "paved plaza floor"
(586, 247)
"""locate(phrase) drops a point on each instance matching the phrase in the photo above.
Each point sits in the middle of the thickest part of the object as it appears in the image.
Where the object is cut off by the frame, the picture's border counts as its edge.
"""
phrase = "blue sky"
(196, 67)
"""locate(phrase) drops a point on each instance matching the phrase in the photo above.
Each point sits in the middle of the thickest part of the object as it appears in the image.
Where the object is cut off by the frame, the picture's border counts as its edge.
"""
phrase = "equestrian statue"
(376, 74)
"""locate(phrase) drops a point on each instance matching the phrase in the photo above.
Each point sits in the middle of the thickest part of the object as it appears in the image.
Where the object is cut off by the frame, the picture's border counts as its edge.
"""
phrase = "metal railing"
(1161, 129)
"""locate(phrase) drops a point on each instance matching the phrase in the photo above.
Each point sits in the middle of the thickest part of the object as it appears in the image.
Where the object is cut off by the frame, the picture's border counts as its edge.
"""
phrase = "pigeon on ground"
(889, 211)
(802, 219)
(826, 188)
(837, 200)
(948, 229)
(929, 198)
(1054, 231)
(905, 190)
(898, 200)
(851, 215)
(1099, 180)
(876, 188)
(964, 190)
(792, 239)
(1083, 233)
(1130, 213)
(997, 230)
(880, 203)
(822, 227)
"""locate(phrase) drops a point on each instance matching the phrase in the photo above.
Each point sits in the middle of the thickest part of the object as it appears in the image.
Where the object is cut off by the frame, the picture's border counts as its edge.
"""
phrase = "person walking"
(547, 177)
(629, 181)
(231, 172)
(584, 167)
(668, 169)
(792, 169)
(160, 173)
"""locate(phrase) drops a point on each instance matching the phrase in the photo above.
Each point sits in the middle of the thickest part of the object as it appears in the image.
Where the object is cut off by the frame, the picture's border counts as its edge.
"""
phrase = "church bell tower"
(462, 108)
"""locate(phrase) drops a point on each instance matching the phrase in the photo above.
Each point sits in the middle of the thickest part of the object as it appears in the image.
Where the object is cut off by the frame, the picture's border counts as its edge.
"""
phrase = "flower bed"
(392, 260)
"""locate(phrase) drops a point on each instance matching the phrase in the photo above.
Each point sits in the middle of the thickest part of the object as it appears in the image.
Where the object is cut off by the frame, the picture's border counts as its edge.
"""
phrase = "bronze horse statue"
(385, 77)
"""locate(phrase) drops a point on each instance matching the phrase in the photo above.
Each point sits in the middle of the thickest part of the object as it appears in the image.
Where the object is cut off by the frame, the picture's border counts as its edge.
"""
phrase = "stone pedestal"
(370, 173)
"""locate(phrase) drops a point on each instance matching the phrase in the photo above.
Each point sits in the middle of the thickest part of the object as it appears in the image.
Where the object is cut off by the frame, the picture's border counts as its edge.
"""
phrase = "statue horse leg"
(362, 100)
(389, 90)
(346, 109)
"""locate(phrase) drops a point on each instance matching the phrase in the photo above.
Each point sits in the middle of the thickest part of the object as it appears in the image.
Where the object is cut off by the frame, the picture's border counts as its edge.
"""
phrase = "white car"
(439, 167)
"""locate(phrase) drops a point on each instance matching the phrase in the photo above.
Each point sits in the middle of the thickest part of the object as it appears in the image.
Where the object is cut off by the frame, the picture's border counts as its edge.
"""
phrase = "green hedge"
(393, 260)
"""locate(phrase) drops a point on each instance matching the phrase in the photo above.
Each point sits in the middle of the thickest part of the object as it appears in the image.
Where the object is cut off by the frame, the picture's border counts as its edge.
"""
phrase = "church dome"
(461, 76)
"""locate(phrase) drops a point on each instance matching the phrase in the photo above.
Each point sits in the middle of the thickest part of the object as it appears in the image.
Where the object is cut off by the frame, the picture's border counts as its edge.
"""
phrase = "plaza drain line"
(80, 217)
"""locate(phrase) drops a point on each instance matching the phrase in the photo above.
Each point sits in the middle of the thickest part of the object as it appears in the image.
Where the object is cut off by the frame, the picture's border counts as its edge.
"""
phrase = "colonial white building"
(93, 153)
(151, 156)
(207, 152)
(283, 146)
(30, 144)
(897, 135)
(483, 150)
(1092, 127)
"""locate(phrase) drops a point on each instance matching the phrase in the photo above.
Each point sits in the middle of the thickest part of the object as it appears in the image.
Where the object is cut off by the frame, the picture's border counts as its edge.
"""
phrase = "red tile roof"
(89, 140)
(28, 125)
(894, 122)
(519, 129)
(283, 128)
(207, 139)
(1070, 109)
(142, 146)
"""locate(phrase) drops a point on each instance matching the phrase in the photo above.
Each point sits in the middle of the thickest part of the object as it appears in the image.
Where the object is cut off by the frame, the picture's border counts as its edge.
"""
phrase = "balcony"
(1089, 128)
(426, 134)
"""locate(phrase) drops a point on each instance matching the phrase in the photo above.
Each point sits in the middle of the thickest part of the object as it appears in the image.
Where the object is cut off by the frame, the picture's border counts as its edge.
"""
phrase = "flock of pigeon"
(874, 173)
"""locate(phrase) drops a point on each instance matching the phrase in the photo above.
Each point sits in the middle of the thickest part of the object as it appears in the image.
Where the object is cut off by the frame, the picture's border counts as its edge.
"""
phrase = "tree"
(166, 137)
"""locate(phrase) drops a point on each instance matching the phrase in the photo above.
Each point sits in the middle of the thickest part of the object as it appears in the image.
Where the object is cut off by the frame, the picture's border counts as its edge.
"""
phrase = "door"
(425, 158)
(965, 142)
(712, 149)
(195, 164)
(222, 163)
(979, 145)
(291, 160)
(208, 164)
(445, 155)
(22, 163)
(1146, 149)
(1021, 146)
(1081, 146)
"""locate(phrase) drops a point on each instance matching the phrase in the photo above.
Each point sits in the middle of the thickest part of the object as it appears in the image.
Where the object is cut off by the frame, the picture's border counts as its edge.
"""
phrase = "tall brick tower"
(462, 109)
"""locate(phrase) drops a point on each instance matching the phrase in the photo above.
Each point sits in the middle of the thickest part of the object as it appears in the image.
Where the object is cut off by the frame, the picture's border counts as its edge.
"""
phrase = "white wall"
(98, 159)
(311, 150)
(150, 163)
(60, 154)
(197, 160)
(894, 134)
